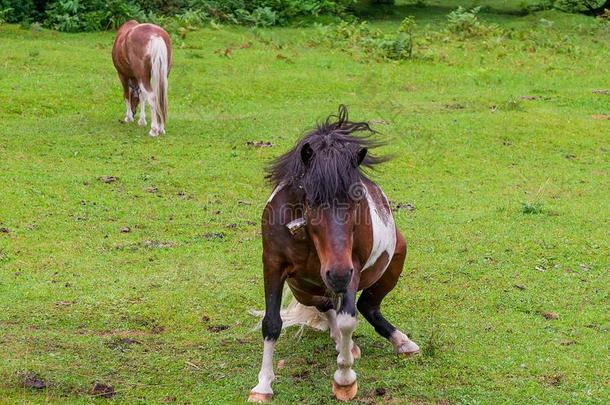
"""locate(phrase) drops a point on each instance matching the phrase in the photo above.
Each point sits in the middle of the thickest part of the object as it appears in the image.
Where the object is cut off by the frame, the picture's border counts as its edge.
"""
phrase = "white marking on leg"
(384, 230)
(143, 97)
(154, 119)
(150, 97)
(335, 333)
(266, 375)
(344, 374)
(402, 344)
(128, 113)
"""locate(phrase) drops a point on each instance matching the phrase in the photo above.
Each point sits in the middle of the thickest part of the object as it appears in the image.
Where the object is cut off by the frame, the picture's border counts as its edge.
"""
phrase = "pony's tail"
(158, 76)
(298, 314)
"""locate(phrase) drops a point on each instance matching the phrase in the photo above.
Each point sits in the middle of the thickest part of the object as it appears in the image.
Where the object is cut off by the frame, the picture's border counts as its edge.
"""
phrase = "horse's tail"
(298, 314)
(158, 75)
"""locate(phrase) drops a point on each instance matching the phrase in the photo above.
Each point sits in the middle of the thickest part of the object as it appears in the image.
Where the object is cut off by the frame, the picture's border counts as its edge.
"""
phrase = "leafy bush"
(91, 15)
(15, 11)
(466, 23)
(359, 38)
(3, 14)
(592, 7)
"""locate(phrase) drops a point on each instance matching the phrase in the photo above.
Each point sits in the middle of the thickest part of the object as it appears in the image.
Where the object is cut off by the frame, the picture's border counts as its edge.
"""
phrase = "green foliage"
(90, 15)
(532, 208)
(366, 42)
(3, 14)
(93, 15)
(571, 6)
(466, 24)
(14, 11)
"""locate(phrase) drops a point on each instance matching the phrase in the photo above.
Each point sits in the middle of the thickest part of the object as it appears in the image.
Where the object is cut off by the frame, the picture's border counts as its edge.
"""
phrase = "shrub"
(89, 15)
(15, 11)
(360, 38)
(466, 24)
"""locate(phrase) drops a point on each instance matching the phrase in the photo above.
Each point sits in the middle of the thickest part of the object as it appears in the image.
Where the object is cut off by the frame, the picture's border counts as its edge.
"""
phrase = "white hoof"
(154, 132)
(402, 344)
(128, 119)
(141, 122)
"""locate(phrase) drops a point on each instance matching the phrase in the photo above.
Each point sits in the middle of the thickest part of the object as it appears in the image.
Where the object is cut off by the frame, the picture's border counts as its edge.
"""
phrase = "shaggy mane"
(332, 170)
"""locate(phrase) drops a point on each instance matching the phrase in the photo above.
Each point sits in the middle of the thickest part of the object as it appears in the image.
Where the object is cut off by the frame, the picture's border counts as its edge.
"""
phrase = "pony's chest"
(382, 227)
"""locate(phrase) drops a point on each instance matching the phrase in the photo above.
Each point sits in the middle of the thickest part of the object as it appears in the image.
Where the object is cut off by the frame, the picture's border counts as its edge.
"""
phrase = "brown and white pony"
(328, 232)
(142, 56)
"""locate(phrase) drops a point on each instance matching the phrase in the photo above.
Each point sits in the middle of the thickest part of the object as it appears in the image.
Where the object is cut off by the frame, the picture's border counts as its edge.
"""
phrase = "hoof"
(409, 354)
(128, 119)
(356, 351)
(403, 345)
(345, 392)
(260, 398)
(153, 133)
(141, 123)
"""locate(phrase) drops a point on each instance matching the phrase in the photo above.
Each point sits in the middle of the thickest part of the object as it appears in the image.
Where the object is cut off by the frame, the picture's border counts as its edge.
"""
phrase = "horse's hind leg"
(370, 301)
(143, 98)
(147, 95)
(272, 326)
(126, 96)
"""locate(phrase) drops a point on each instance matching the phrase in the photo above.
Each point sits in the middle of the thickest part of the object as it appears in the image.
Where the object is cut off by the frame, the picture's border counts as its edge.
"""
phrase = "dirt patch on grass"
(552, 379)
(102, 390)
(33, 381)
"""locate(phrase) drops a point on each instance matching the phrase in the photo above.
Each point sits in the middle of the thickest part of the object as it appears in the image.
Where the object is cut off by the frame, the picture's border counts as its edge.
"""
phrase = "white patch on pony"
(402, 344)
(143, 97)
(384, 230)
(128, 113)
(335, 333)
(277, 190)
(146, 96)
(297, 314)
(266, 375)
(344, 374)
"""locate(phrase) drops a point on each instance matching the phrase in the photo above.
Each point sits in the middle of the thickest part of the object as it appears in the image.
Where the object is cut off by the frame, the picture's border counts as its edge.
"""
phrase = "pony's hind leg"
(142, 120)
(271, 327)
(126, 96)
(148, 96)
(369, 303)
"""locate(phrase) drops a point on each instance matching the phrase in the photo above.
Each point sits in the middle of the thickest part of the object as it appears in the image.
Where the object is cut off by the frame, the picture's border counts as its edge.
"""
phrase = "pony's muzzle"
(338, 280)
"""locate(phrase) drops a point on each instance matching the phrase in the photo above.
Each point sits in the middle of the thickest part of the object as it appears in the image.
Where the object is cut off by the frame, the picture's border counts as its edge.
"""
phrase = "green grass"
(510, 222)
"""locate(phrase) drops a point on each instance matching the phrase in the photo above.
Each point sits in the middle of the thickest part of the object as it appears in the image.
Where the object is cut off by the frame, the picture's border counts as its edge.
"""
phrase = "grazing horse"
(142, 56)
(328, 232)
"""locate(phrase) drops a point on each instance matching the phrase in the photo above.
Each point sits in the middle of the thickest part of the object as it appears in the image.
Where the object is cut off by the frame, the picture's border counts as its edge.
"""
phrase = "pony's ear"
(306, 153)
(361, 155)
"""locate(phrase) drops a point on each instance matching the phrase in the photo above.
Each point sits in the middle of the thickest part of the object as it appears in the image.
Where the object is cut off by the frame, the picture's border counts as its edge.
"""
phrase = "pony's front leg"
(335, 333)
(344, 380)
(272, 326)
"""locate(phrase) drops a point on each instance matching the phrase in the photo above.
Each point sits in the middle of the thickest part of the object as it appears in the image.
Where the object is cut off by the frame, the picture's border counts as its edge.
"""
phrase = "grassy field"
(501, 145)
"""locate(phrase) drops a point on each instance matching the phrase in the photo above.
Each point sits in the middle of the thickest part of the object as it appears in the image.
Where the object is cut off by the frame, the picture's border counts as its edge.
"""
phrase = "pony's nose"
(339, 280)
